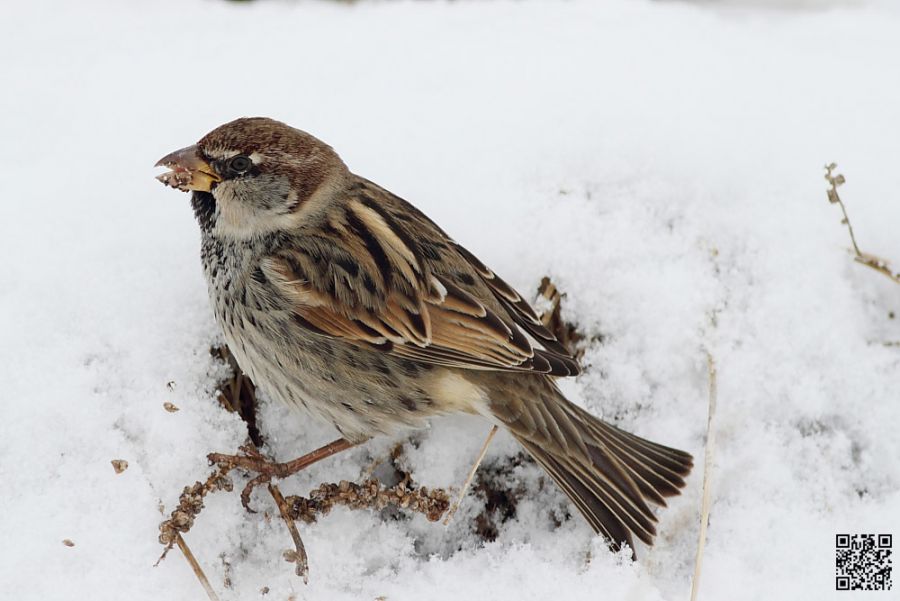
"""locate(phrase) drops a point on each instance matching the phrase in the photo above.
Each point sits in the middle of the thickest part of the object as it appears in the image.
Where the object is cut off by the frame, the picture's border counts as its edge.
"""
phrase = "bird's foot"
(266, 469)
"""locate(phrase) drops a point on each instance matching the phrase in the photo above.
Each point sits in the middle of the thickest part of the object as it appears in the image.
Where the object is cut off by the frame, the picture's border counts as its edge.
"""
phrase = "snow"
(661, 161)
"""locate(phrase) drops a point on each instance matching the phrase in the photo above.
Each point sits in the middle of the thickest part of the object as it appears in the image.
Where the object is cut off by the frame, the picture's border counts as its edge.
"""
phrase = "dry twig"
(707, 466)
(465, 486)
(195, 566)
(190, 504)
(567, 334)
(877, 263)
(370, 495)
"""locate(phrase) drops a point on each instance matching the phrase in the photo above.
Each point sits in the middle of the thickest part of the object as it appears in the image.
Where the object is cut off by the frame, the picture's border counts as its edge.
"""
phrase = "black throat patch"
(204, 205)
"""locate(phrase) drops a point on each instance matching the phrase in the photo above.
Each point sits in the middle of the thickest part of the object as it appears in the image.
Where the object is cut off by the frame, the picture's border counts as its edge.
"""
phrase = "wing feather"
(367, 280)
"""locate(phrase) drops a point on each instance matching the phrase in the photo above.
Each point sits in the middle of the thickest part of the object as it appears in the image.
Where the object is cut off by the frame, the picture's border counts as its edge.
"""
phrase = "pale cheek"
(245, 211)
(234, 215)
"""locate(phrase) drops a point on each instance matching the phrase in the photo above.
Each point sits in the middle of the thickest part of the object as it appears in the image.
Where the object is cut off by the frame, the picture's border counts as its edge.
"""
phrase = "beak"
(189, 170)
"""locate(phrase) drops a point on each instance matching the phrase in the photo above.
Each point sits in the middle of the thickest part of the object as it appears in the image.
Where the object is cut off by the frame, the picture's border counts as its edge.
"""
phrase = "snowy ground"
(662, 161)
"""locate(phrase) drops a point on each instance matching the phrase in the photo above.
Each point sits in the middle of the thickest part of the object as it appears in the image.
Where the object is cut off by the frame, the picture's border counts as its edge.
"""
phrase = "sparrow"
(342, 299)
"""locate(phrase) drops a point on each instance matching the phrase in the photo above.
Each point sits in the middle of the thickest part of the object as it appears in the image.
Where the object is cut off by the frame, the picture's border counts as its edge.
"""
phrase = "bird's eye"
(239, 164)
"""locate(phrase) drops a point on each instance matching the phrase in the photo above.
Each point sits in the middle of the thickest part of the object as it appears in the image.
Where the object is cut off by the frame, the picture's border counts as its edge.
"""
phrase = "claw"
(266, 469)
(248, 490)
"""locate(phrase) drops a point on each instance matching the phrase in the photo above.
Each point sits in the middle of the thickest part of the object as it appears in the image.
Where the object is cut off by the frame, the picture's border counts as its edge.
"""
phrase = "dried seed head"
(166, 533)
(68, 542)
(223, 483)
(120, 465)
(182, 521)
(170, 407)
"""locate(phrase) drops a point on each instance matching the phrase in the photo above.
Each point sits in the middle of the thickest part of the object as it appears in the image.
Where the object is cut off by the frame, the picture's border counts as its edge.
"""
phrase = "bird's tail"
(610, 475)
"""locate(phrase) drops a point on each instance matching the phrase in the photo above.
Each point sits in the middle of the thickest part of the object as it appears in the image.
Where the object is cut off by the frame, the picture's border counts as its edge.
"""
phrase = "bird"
(341, 299)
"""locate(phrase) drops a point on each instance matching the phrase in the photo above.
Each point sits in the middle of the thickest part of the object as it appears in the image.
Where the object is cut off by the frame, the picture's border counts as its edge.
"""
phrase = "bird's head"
(254, 175)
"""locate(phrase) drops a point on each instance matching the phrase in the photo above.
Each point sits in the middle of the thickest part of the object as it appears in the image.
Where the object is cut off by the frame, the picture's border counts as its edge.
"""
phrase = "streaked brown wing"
(520, 311)
(365, 279)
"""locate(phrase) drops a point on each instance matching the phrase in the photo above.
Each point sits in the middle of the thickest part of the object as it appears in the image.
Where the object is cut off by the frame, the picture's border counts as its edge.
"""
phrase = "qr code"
(863, 562)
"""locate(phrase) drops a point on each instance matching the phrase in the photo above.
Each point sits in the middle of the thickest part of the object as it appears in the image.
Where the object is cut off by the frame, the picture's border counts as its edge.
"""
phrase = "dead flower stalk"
(877, 263)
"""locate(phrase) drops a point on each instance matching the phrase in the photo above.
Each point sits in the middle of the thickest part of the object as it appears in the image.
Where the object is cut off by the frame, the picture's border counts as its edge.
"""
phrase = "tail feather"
(657, 470)
(598, 515)
(621, 497)
(610, 475)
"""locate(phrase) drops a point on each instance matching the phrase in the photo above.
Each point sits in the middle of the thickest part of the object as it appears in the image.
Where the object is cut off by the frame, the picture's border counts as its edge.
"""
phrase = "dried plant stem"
(849, 228)
(299, 556)
(707, 465)
(190, 504)
(566, 333)
(833, 197)
(471, 476)
(878, 265)
(195, 566)
(432, 504)
(871, 261)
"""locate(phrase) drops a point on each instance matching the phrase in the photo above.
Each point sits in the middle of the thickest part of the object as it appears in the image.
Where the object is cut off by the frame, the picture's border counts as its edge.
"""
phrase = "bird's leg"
(266, 469)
